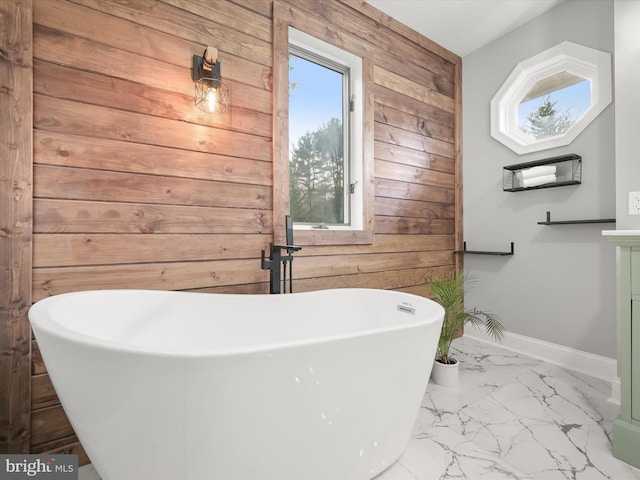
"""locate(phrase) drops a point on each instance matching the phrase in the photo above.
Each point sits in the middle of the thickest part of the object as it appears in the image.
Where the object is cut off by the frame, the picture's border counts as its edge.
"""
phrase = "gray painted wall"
(560, 284)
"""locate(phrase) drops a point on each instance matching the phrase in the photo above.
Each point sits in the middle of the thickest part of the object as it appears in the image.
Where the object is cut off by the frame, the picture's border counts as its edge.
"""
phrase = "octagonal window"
(550, 98)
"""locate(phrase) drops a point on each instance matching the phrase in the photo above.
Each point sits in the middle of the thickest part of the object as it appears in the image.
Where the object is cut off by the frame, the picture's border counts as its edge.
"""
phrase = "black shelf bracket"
(575, 222)
(483, 252)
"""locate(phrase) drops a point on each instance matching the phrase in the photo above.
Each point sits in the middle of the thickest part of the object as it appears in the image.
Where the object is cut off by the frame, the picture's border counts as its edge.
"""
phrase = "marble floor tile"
(511, 417)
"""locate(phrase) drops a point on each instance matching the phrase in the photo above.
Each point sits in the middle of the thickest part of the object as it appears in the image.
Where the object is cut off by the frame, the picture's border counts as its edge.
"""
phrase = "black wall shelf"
(575, 222)
(549, 172)
(483, 252)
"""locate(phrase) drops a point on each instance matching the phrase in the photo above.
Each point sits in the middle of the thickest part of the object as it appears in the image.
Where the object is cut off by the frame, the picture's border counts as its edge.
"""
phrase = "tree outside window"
(316, 176)
(548, 120)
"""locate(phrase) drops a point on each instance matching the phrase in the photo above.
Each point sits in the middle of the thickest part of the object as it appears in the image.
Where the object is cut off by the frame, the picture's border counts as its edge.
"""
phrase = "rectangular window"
(325, 135)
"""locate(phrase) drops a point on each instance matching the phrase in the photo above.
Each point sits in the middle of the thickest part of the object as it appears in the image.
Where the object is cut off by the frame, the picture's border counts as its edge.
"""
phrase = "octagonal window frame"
(585, 62)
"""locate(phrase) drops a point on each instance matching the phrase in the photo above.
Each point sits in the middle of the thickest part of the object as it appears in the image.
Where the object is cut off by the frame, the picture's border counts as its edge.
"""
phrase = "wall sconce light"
(212, 94)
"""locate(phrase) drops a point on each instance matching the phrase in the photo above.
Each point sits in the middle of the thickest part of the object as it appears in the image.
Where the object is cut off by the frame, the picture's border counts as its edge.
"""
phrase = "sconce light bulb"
(212, 99)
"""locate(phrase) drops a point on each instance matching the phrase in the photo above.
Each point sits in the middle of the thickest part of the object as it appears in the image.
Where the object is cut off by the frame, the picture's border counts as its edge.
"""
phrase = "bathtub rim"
(42, 322)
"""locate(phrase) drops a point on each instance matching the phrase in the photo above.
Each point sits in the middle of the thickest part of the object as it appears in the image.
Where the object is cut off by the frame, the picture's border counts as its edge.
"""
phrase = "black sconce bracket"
(199, 71)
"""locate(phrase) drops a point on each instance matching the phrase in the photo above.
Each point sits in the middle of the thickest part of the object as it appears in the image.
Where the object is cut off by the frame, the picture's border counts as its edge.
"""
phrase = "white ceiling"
(463, 26)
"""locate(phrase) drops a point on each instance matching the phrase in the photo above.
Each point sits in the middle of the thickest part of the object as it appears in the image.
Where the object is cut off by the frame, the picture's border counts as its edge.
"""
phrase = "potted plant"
(449, 292)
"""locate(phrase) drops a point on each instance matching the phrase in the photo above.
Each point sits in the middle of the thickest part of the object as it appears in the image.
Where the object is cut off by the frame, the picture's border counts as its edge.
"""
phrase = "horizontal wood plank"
(440, 53)
(251, 109)
(306, 267)
(63, 446)
(416, 278)
(37, 364)
(412, 191)
(406, 104)
(382, 244)
(72, 216)
(395, 207)
(404, 138)
(57, 250)
(92, 24)
(79, 21)
(414, 226)
(65, 149)
(80, 53)
(407, 173)
(262, 7)
(154, 276)
(316, 25)
(232, 16)
(344, 19)
(42, 392)
(244, 289)
(58, 115)
(48, 423)
(412, 89)
(100, 185)
(185, 24)
(249, 80)
(408, 156)
(414, 124)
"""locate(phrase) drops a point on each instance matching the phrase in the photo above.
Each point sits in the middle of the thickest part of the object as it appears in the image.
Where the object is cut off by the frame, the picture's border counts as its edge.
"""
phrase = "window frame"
(588, 63)
(361, 232)
(315, 51)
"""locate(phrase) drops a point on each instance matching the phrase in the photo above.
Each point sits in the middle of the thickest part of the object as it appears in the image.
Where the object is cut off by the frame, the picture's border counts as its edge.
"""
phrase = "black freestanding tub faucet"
(281, 257)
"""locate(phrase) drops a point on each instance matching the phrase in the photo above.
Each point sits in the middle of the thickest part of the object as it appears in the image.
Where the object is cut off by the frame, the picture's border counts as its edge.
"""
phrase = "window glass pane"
(317, 139)
(554, 105)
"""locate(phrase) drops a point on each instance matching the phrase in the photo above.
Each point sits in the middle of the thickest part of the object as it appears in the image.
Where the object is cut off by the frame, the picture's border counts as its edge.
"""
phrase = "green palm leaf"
(449, 292)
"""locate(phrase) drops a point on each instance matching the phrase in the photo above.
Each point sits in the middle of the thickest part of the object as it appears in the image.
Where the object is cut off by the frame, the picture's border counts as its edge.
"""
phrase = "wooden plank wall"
(136, 188)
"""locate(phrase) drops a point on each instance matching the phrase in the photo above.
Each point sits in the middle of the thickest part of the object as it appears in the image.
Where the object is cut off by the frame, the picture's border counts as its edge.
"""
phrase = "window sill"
(332, 237)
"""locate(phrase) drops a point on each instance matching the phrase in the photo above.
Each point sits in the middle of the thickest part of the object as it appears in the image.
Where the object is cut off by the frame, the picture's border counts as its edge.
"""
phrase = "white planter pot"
(445, 374)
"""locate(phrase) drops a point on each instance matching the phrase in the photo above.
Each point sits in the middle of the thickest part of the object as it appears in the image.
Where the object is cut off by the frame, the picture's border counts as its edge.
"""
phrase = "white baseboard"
(597, 366)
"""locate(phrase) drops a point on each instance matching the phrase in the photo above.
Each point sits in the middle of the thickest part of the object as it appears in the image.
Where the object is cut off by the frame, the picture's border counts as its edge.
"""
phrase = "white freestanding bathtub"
(192, 386)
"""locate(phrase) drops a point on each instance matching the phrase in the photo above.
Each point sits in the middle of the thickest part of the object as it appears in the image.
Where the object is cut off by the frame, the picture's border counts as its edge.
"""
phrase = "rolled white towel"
(535, 181)
(539, 171)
